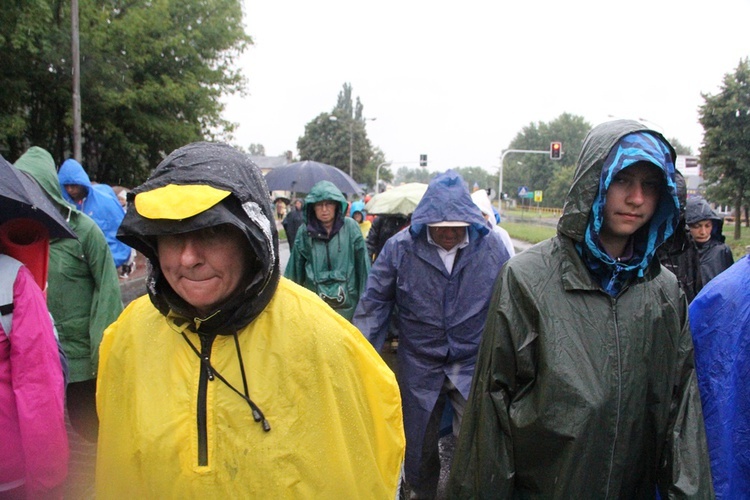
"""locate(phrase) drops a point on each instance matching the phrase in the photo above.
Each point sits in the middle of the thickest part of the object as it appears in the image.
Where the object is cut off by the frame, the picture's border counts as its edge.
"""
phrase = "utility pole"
(76, 55)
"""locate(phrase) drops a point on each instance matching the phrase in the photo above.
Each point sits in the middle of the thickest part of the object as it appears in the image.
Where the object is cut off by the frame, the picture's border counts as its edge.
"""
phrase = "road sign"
(538, 196)
(522, 191)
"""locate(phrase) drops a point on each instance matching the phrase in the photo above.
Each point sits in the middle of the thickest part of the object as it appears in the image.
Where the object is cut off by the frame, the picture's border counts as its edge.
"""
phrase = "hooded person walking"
(439, 275)
(102, 206)
(226, 380)
(706, 228)
(585, 385)
(329, 255)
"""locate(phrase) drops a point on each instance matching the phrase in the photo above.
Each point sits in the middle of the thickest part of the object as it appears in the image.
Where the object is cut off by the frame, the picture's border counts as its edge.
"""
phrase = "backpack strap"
(8, 272)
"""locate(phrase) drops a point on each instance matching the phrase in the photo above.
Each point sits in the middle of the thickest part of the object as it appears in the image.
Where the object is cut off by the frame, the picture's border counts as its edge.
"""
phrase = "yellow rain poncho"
(174, 406)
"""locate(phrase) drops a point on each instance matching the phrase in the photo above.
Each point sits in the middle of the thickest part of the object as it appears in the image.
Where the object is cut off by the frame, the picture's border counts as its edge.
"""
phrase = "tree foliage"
(152, 74)
(680, 148)
(329, 137)
(537, 171)
(406, 174)
(725, 153)
(256, 149)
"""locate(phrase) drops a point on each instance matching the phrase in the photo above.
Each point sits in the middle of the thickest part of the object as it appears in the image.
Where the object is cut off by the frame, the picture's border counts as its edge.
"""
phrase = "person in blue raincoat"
(440, 274)
(720, 324)
(98, 204)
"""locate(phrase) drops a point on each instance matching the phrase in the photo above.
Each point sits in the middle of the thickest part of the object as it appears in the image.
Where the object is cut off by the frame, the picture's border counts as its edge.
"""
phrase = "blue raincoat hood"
(71, 172)
(447, 199)
(99, 204)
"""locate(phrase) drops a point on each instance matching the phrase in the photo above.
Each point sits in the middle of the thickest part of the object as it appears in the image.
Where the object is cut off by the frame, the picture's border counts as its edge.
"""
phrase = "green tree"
(406, 174)
(329, 138)
(725, 153)
(537, 171)
(152, 75)
(680, 148)
(256, 149)
(477, 176)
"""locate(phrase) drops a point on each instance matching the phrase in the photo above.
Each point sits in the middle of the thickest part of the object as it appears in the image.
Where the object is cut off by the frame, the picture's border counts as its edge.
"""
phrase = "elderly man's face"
(204, 267)
(325, 211)
(447, 237)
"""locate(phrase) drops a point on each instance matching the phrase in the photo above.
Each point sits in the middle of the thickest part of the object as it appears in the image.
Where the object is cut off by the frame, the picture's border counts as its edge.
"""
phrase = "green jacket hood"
(608, 149)
(323, 190)
(39, 164)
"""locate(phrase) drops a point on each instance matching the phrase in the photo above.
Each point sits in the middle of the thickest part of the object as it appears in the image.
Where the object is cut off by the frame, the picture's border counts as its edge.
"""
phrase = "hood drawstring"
(258, 415)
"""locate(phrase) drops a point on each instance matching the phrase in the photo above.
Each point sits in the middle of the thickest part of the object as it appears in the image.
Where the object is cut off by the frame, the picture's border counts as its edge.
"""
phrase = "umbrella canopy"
(300, 177)
(399, 200)
(21, 197)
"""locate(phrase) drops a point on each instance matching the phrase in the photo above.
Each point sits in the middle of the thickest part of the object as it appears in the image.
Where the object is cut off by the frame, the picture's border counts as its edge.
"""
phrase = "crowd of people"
(607, 361)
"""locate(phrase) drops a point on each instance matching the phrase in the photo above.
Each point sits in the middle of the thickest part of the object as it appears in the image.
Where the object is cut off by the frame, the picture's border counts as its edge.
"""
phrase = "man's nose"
(192, 252)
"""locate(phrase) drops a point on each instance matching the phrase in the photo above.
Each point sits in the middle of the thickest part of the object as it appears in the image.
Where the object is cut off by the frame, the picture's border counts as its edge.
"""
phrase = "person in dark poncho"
(679, 253)
(585, 385)
(706, 229)
(293, 221)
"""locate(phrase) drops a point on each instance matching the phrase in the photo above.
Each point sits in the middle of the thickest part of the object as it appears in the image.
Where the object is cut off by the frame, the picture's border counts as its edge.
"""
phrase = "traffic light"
(555, 150)
(422, 160)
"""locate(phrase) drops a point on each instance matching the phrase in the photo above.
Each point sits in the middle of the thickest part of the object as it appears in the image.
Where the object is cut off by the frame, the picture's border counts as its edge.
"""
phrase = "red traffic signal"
(555, 150)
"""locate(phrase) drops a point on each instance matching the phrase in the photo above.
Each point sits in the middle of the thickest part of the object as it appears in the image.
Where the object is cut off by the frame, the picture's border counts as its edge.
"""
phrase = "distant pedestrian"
(585, 385)
(293, 221)
(101, 204)
(679, 252)
(383, 227)
(329, 255)
(707, 227)
(482, 201)
(438, 274)
(364, 224)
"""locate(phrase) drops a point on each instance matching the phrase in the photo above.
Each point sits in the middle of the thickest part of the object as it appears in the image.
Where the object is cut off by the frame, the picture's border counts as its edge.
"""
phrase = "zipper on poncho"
(206, 375)
(619, 396)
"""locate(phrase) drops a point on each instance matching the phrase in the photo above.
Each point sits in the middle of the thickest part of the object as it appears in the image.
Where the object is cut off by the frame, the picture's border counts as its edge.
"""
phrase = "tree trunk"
(738, 211)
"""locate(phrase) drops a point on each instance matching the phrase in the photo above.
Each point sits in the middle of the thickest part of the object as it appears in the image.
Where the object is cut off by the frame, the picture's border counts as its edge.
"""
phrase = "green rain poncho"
(581, 393)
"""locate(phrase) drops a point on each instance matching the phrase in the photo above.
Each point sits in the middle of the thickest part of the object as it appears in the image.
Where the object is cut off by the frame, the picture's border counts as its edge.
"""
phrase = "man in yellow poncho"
(227, 381)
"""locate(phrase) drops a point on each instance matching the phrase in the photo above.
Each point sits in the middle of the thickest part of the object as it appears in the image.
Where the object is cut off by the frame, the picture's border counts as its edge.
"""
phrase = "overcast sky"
(458, 80)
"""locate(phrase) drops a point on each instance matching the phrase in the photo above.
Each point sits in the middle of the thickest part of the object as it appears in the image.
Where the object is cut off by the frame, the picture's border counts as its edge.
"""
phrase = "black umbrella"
(21, 197)
(300, 177)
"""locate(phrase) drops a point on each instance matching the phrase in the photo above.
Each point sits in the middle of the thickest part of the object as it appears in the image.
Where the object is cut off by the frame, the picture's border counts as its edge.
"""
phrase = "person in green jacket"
(83, 293)
(585, 385)
(330, 255)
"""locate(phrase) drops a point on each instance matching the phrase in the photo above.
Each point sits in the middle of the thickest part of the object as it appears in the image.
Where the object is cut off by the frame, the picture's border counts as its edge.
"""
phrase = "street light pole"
(500, 173)
(351, 148)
